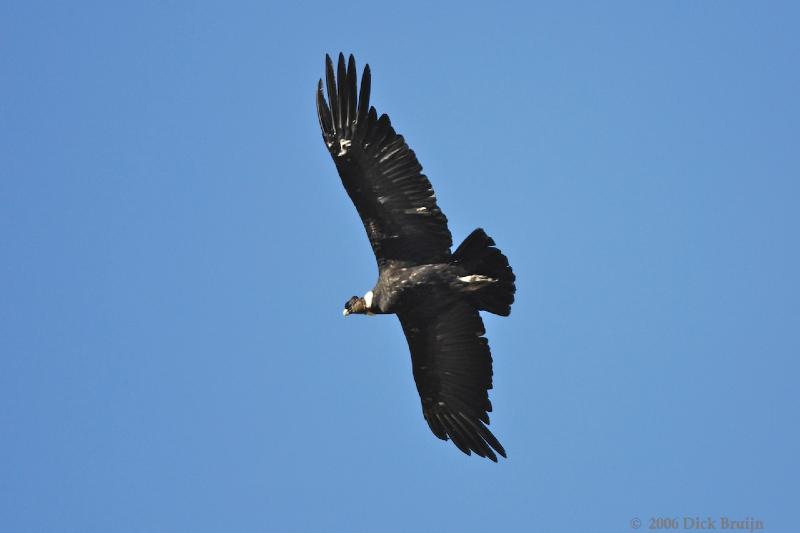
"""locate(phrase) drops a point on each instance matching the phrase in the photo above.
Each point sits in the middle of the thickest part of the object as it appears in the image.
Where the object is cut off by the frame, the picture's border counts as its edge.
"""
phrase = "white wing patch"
(368, 299)
(476, 278)
(344, 144)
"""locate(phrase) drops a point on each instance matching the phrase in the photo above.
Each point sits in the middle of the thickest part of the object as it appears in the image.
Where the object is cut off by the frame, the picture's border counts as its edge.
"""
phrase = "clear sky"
(176, 249)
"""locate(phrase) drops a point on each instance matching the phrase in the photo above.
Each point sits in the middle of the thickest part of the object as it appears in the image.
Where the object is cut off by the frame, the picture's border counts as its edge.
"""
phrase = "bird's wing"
(380, 173)
(453, 370)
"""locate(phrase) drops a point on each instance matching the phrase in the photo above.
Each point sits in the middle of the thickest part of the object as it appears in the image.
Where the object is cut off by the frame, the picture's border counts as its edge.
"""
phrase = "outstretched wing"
(380, 173)
(453, 369)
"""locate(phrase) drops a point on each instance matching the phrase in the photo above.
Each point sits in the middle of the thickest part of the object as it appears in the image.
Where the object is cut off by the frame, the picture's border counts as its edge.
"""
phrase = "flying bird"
(436, 294)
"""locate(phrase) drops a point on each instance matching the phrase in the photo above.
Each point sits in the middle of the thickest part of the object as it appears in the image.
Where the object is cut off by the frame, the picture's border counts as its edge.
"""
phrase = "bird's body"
(404, 288)
(400, 288)
(436, 294)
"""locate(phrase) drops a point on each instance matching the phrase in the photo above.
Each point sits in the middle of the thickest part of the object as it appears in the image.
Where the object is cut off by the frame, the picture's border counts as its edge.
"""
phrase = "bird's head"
(355, 306)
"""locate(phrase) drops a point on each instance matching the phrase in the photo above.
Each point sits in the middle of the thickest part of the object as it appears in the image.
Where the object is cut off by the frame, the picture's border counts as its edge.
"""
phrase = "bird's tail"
(489, 280)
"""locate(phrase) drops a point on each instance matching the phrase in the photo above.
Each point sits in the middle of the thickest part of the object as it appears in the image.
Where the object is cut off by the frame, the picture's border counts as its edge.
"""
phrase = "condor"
(436, 294)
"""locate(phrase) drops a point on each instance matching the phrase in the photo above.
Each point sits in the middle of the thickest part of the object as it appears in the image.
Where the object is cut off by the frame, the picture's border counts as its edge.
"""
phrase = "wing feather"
(333, 94)
(323, 111)
(341, 78)
(363, 103)
(352, 96)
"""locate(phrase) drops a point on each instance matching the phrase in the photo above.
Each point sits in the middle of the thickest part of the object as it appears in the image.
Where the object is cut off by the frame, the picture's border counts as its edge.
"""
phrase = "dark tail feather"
(479, 256)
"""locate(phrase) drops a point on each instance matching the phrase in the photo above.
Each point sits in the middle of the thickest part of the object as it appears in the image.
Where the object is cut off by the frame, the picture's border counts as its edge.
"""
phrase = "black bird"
(435, 293)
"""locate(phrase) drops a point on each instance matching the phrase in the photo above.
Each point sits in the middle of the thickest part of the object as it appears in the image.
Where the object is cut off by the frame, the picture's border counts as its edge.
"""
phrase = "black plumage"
(436, 294)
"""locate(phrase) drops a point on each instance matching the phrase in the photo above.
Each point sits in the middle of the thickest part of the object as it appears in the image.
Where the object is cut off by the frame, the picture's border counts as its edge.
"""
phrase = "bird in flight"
(436, 294)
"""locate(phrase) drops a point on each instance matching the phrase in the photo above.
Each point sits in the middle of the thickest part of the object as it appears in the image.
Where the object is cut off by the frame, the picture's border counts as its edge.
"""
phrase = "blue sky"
(177, 249)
